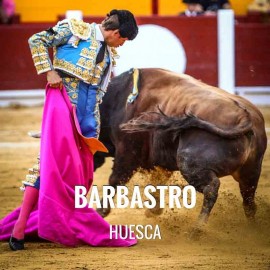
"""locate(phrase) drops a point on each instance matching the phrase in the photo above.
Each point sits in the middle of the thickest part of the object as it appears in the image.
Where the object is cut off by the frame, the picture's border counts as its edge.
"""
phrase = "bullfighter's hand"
(54, 80)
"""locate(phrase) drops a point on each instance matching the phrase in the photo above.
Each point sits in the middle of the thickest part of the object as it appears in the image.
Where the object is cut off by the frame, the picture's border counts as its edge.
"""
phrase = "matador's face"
(114, 39)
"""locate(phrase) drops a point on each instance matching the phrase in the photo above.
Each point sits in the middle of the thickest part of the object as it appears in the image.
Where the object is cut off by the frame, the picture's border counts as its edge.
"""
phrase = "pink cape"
(65, 162)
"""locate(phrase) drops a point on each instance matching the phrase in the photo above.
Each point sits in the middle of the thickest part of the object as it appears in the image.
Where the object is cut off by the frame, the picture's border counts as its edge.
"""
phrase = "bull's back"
(176, 94)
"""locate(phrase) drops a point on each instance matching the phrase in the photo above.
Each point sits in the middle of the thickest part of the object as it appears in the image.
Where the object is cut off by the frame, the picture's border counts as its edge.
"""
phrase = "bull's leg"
(248, 178)
(114, 180)
(99, 160)
(105, 211)
(207, 183)
(210, 192)
(248, 194)
(156, 210)
(127, 159)
(159, 177)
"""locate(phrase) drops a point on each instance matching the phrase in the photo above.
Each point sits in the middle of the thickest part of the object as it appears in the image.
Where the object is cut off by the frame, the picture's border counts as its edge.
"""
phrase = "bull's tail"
(159, 121)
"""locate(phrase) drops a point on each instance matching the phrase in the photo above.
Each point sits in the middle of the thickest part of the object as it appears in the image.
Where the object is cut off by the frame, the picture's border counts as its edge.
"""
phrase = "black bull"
(201, 130)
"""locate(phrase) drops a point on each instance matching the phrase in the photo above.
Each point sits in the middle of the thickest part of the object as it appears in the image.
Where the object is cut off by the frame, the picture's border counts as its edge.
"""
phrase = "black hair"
(122, 20)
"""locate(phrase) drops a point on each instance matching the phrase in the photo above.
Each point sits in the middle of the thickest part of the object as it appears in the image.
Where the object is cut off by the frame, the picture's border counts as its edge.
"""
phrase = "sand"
(228, 241)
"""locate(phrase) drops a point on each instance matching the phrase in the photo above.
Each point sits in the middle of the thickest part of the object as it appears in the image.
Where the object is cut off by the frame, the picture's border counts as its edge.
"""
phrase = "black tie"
(101, 52)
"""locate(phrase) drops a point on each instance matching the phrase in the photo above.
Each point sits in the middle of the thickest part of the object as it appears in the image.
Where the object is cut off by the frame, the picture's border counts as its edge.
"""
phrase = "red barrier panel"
(252, 53)
(16, 65)
(198, 36)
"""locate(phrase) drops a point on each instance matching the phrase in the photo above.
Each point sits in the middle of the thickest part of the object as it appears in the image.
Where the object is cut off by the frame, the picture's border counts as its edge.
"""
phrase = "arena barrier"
(247, 55)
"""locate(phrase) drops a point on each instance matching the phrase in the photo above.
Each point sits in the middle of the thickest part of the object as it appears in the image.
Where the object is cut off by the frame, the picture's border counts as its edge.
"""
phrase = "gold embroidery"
(89, 64)
(97, 117)
(43, 57)
(74, 96)
(85, 73)
(85, 68)
(74, 85)
(95, 81)
(31, 178)
(94, 44)
(80, 29)
(98, 73)
(81, 61)
(99, 70)
(36, 60)
(43, 68)
(91, 54)
(114, 52)
(46, 65)
(78, 70)
(76, 43)
(34, 50)
(114, 55)
(72, 88)
(73, 70)
(38, 50)
(84, 52)
(41, 49)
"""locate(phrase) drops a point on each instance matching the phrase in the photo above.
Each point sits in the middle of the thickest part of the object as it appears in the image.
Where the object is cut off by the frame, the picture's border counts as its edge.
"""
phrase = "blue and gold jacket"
(75, 51)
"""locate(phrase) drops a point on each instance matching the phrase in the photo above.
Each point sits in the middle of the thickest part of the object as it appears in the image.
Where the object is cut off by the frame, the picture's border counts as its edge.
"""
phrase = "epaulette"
(80, 29)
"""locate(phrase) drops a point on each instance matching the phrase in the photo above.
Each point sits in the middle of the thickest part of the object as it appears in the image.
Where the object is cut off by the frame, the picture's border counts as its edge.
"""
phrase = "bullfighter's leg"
(31, 192)
(30, 199)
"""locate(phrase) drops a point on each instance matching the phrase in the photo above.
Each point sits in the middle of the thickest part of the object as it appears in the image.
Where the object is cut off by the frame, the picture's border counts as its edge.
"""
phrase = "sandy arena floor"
(228, 242)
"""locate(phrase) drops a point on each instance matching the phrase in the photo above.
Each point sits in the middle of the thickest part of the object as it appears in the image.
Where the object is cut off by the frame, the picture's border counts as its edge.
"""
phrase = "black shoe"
(16, 244)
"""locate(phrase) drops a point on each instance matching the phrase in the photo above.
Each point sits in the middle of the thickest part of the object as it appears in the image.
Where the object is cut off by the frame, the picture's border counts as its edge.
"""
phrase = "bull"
(179, 123)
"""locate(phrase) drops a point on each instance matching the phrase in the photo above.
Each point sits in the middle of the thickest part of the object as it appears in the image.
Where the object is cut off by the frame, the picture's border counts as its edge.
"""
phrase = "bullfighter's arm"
(40, 42)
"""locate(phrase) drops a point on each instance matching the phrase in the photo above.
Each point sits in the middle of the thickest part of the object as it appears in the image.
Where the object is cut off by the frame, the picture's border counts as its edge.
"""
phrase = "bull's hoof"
(252, 223)
(104, 211)
(195, 234)
(198, 231)
(250, 210)
(251, 220)
(153, 212)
